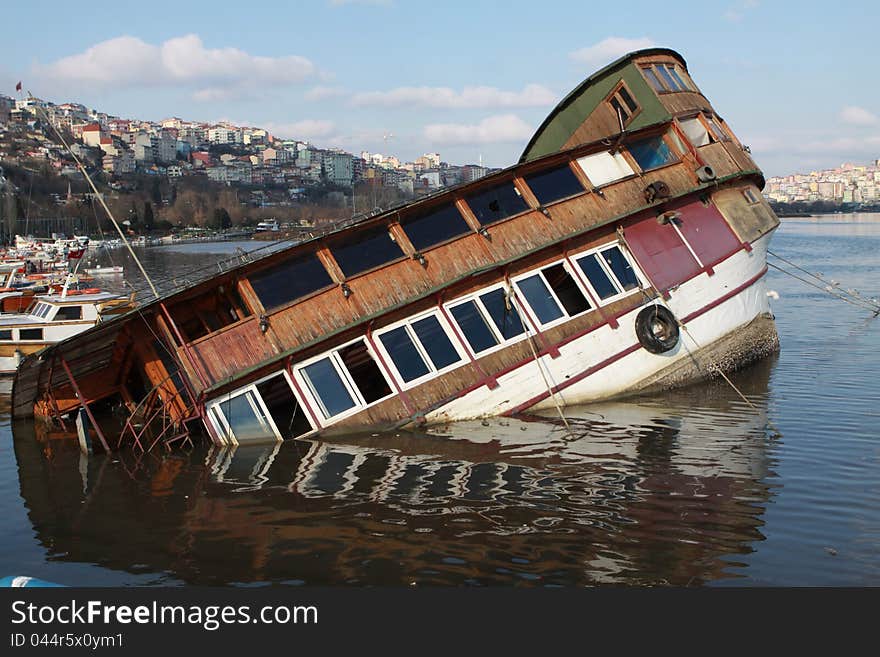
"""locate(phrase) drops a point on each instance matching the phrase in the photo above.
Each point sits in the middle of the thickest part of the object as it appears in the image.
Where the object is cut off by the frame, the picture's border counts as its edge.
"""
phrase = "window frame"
(521, 297)
(420, 348)
(219, 417)
(347, 381)
(625, 156)
(681, 76)
(546, 170)
(501, 341)
(615, 94)
(585, 280)
(662, 136)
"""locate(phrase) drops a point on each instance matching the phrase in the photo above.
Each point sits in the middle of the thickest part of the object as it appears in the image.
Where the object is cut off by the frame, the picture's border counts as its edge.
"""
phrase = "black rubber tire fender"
(657, 329)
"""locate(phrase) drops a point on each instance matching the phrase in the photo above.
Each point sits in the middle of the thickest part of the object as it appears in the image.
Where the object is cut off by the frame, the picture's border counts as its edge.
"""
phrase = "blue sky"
(795, 80)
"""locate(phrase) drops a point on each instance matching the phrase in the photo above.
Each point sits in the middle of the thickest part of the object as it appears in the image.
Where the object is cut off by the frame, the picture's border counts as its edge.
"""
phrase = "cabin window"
(419, 347)
(696, 132)
(30, 334)
(603, 168)
(289, 280)
(651, 153)
(552, 294)
(668, 77)
(427, 230)
(751, 197)
(210, 311)
(488, 319)
(624, 105)
(653, 79)
(245, 418)
(6, 334)
(717, 130)
(41, 310)
(287, 413)
(365, 250)
(496, 203)
(554, 185)
(609, 272)
(69, 312)
(348, 378)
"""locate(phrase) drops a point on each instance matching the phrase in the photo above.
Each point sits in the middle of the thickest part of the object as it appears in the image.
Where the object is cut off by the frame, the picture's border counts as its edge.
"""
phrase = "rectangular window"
(472, 323)
(673, 71)
(289, 280)
(553, 294)
(365, 250)
(540, 299)
(503, 313)
(609, 272)
(30, 334)
(488, 319)
(651, 153)
(554, 185)
(245, 418)
(496, 203)
(285, 409)
(69, 312)
(6, 334)
(426, 230)
(696, 132)
(603, 168)
(668, 80)
(751, 197)
(347, 378)
(419, 347)
(623, 103)
(652, 78)
(717, 130)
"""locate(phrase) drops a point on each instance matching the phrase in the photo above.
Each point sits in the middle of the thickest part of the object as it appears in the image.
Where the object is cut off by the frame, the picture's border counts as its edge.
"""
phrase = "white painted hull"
(609, 362)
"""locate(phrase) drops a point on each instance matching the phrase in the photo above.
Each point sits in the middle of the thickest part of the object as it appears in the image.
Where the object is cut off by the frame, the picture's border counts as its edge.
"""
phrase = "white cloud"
(609, 49)
(324, 93)
(499, 128)
(532, 95)
(128, 61)
(736, 12)
(857, 116)
(305, 129)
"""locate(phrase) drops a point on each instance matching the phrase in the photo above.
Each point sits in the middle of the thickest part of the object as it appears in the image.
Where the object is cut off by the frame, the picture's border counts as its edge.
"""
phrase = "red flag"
(75, 255)
(18, 86)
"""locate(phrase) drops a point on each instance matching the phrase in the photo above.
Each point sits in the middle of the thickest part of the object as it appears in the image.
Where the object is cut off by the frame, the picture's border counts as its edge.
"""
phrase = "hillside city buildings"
(848, 183)
(221, 152)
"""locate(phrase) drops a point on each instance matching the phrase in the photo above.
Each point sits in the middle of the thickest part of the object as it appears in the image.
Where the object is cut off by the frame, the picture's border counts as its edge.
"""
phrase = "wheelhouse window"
(41, 310)
(419, 347)
(347, 378)
(365, 250)
(289, 280)
(434, 227)
(603, 168)
(651, 153)
(553, 294)
(668, 77)
(554, 185)
(496, 203)
(487, 320)
(609, 272)
(623, 103)
(69, 313)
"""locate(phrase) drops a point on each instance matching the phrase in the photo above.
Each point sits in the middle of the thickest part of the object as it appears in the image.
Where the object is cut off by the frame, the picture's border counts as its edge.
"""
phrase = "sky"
(796, 81)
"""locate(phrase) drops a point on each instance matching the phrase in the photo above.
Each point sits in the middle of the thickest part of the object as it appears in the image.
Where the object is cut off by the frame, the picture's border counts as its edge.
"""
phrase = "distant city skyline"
(470, 80)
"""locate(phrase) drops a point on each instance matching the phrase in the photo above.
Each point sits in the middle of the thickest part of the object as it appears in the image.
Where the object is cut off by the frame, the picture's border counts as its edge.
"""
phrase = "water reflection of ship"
(664, 490)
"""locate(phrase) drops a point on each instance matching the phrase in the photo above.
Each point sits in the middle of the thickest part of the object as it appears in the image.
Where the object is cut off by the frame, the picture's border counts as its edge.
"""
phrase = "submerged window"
(347, 378)
(424, 231)
(365, 250)
(245, 417)
(419, 347)
(651, 153)
(602, 168)
(623, 103)
(289, 280)
(69, 312)
(283, 406)
(496, 203)
(554, 185)
(609, 272)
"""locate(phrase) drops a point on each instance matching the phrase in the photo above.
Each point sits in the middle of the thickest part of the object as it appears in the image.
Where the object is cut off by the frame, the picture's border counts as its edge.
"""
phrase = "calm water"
(693, 487)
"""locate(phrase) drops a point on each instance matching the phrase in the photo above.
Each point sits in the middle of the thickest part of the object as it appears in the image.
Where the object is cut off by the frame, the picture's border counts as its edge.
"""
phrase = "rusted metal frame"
(404, 397)
(580, 276)
(183, 343)
(301, 397)
(485, 378)
(85, 406)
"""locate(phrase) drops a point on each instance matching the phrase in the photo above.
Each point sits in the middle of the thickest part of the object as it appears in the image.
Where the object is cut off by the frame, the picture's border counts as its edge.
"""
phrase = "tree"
(157, 193)
(134, 220)
(148, 216)
(221, 219)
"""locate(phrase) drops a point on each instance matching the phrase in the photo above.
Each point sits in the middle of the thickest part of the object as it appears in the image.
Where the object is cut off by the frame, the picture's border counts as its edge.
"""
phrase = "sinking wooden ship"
(625, 252)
